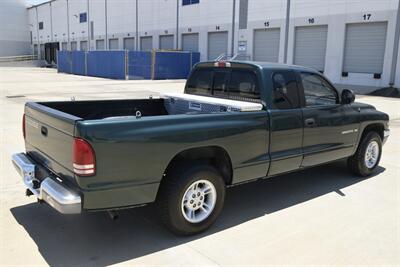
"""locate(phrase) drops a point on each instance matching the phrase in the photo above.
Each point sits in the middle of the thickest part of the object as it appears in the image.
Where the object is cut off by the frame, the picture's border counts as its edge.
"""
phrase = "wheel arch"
(377, 127)
(216, 156)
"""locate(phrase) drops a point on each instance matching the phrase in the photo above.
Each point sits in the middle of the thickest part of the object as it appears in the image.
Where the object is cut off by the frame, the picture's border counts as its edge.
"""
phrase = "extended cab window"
(317, 91)
(285, 93)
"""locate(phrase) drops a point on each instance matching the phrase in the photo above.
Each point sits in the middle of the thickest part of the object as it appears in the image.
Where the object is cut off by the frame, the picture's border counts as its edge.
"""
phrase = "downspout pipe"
(137, 25)
(285, 52)
(395, 48)
(106, 21)
(233, 28)
(177, 25)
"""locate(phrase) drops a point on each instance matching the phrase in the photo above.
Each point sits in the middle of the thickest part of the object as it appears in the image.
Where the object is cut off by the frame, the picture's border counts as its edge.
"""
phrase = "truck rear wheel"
(367, 156)
(191, 199)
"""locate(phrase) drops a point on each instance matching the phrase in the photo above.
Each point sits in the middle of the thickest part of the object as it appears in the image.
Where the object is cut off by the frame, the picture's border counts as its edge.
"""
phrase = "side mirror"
(348, 96)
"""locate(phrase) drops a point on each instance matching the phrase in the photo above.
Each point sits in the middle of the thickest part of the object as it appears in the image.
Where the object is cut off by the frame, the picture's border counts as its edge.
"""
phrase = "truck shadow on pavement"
(93, 239)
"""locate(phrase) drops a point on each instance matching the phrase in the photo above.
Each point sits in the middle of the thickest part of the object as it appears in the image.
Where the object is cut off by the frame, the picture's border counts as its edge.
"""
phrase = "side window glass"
(200, 82)
(285, 93)
(317, 91)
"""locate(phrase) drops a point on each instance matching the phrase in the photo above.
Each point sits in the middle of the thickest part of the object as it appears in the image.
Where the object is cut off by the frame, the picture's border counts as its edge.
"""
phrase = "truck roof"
(260, 65)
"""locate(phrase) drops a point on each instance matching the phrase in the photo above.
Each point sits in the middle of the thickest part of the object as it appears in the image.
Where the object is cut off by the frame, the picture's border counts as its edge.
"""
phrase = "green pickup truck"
(235, 122)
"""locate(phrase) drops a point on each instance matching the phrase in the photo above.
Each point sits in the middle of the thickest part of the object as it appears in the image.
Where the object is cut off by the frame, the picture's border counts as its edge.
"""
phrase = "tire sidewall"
(188, 178)
(372, 136)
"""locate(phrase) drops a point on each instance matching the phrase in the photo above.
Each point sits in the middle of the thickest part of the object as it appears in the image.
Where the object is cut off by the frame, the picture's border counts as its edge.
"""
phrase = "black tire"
(356, 163)
(172, 190)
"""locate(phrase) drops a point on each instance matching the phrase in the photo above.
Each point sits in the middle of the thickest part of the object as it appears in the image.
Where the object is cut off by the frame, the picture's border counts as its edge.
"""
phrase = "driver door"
(330, 128)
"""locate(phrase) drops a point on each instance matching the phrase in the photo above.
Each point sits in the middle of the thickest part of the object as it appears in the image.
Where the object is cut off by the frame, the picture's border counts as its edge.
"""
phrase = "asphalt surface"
(319, 216)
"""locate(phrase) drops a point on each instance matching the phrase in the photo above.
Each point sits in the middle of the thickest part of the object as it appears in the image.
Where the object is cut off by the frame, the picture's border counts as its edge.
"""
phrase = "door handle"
(43, 130)
(309, 122)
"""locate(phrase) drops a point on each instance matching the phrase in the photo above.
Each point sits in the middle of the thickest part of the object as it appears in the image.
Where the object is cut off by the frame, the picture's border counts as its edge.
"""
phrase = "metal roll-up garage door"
(310, 46)
(266, 45)
(190, 42)
(146, 43)
(113, 44)
(129, 43)
(217, 44)
(100, 44)
(166, 42)
(365, 47)
(84, 46)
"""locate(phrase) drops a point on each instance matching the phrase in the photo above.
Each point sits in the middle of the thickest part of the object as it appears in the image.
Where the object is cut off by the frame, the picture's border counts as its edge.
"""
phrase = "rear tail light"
(83, 158)
(23, 126)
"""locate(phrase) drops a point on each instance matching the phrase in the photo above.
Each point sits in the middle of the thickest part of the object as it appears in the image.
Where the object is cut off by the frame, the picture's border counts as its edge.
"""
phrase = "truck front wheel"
(191, 199)
(367, 156)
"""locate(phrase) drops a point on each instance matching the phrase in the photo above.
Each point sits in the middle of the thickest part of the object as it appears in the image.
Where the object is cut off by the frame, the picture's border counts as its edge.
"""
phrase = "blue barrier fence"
(64, 61)
(106, 64)
(78, 62)
(170, 65)
(139, 65)
(128, 64)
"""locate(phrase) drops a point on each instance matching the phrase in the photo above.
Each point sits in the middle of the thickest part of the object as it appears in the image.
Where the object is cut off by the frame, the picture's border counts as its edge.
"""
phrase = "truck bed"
(93, 110)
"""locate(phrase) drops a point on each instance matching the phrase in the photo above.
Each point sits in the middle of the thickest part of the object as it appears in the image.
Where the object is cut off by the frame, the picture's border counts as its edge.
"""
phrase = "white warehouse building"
(14, 34)
(353, 42)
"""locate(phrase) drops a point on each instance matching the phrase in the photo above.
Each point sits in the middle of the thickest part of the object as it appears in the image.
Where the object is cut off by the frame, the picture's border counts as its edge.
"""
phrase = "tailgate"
(49, 138)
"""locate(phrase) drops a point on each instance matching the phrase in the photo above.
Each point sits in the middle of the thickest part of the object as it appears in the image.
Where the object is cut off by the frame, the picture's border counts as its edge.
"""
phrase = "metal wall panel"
(310, 46)
(166, 41)
(129, 43)
(266, 45)
(100, 44)
(113, 44)
(243, 11)
(146, 43)
(217, 44)
(190, 42)
(365, 47)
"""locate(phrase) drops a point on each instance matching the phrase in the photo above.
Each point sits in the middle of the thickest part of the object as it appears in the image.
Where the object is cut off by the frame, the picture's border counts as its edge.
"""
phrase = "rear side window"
(285, 93)
(225, 83)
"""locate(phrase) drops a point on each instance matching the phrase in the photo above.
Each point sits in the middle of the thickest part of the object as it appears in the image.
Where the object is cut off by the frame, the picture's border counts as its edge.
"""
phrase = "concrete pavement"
(319, 216)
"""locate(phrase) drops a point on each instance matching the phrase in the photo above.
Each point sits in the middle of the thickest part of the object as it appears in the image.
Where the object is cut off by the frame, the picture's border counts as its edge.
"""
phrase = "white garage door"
(166, 42)
(113, 44)
(217, 44)
(266, 45)
(146, 43)
(310, 46)
(365, 47)
(190, 42)
(100, 44)
(129, 43)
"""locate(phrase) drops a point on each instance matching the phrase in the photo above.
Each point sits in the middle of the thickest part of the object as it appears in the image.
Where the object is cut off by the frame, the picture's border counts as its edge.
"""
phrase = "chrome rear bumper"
(56, 194)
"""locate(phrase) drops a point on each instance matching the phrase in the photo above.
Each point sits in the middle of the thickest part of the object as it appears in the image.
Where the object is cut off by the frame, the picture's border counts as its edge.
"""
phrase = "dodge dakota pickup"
(235, 122)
